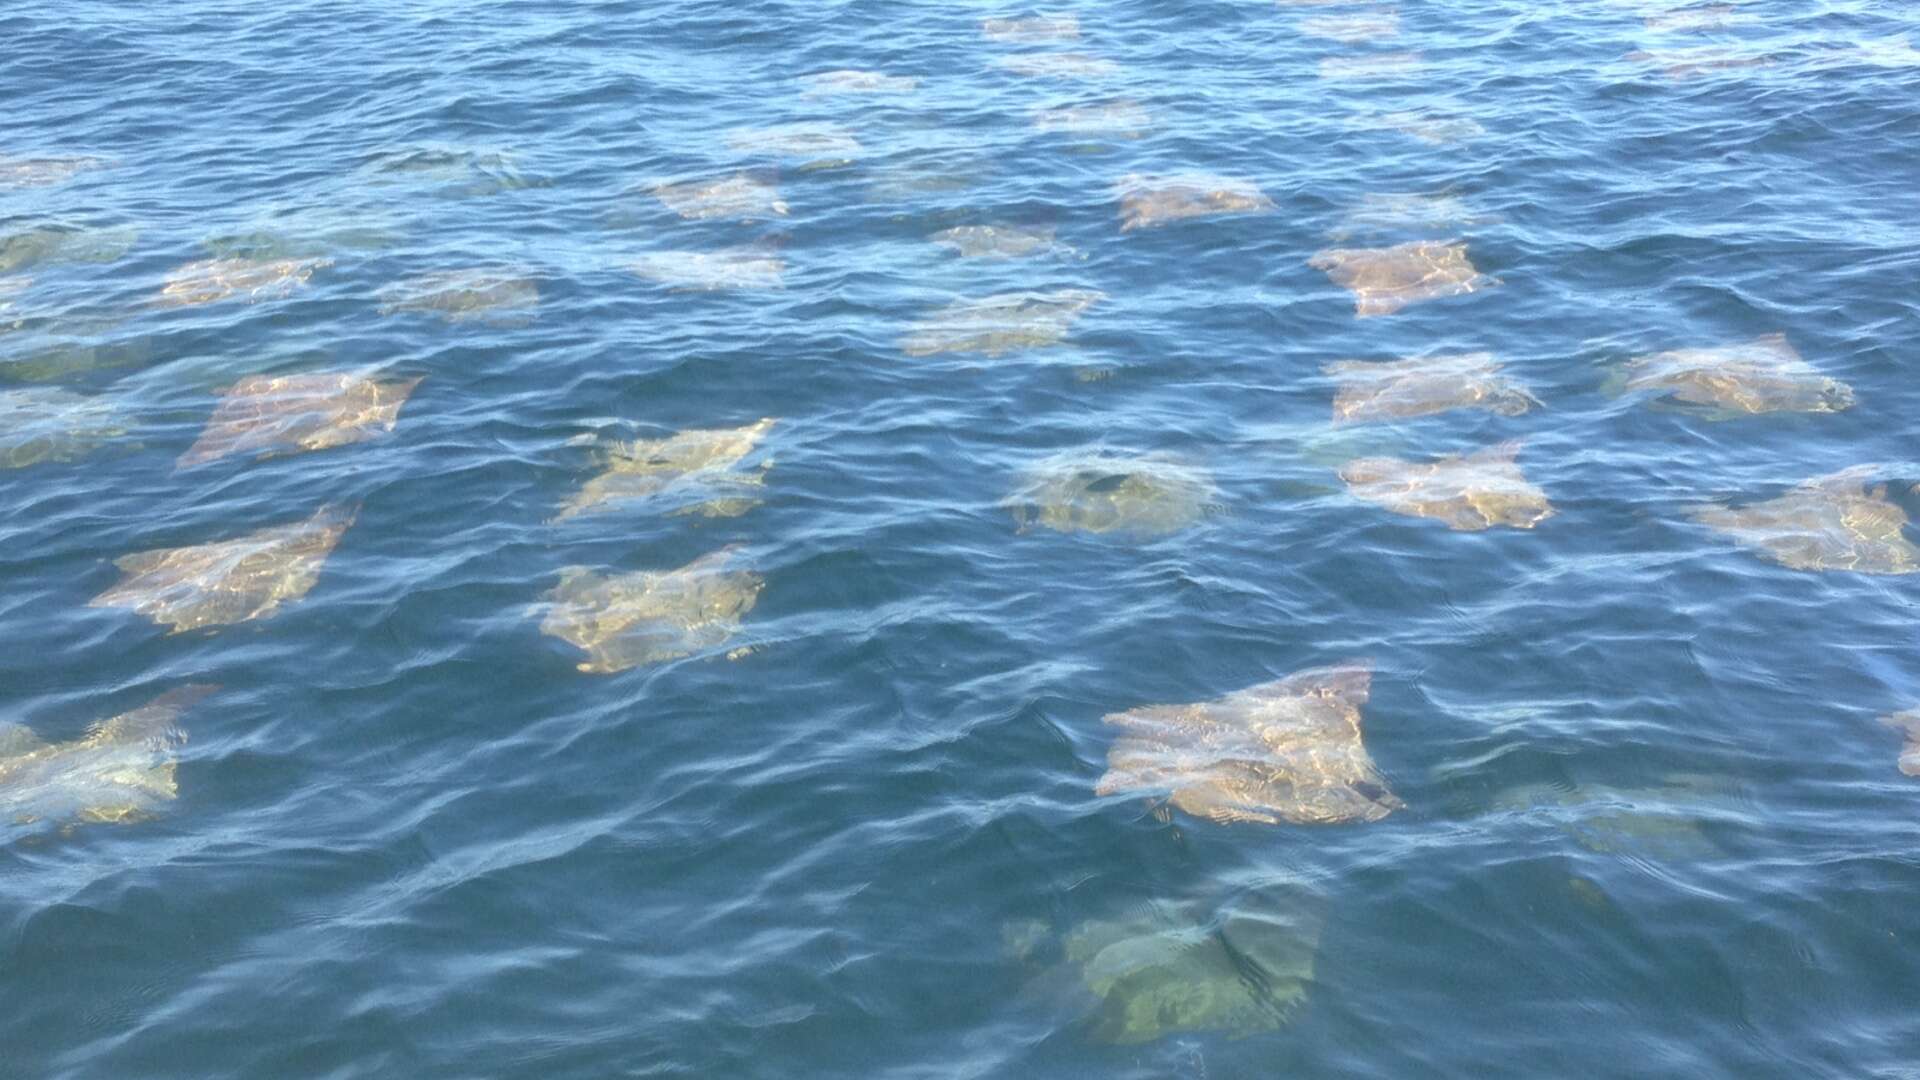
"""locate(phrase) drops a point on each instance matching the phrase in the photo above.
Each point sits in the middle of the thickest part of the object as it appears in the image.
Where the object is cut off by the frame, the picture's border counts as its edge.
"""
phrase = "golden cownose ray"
(1125, 118)
(63, 243)
(228, 581)
(18, 172)
(851, 81)
(1766, 374)
(1059, 65)
(265, 415)
(1390, 211)
(1283, 751)
(40, 423)
(120, 771)
(1422, 386)
(1030, 30)
(808, 141)
(1468, 492)
(1432, 128)
(998, 241)
(712, 271)
(741, 197)
(1384, 280)
(1143, 496)
(1155, 200)
(1360, 26)
(1371, 66)
(1907, 723)
(487, 296)
(1701, 17)
(622, 621)
(684, 460)
(1183, 966)
(1682, 64)
(207, 281)
(1830, 522)
(999, 324)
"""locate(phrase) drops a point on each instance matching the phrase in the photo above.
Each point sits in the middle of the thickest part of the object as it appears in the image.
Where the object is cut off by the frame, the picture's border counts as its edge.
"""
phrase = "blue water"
(1651, 827)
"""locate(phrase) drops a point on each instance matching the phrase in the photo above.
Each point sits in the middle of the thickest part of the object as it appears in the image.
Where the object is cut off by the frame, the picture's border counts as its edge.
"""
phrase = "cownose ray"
(1408, 212)
(494, 297)
(228, 581)
(743, 196)
(61, 243)
(1140, 496)
(120, 771)
(1432, 128)
(999, 324)
(1059, 65)
(1423, 386)
(1354, 28)
(712, 271)
(644, 468)
(1907, 723)
(1831, 522)
(855, 81)
(263, 415)
(1032, 29)
(1385, 65)
(1125, 118)
(208, 281)
(811, 142)
(1696, 18)
(1384, 280)
(1155, 200)
(43, 423)
(1766, 374)
(1175, 966)
(1680, 65)
(999, 241)
(1468, 492)
(24, 172)
(1289, 750)
(622, 621)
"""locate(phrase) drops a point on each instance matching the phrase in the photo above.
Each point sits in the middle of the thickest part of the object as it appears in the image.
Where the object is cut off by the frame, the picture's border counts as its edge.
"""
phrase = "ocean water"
(1647, 822)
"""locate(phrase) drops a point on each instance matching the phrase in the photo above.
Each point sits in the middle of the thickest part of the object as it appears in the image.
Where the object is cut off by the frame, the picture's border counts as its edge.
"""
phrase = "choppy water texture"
(1050, 351)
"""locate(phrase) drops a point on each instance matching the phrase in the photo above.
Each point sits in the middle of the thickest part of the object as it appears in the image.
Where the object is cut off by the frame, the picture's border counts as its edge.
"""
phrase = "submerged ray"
(493, 297)
(264, 415)
(41, 423)
(811, 142)
(1125, 118)
(1390, 211)
(1907, 723)
(1354, 28)
(852, 81)
(1155, 200)
(1468, 492)
(1032, 29)
(1084, 491)
(1698, 17)
(998, 241)
(228, 581)
(1432, 128)
(1187, 967)
(740, 197)
(712, 271)
(210, 280)
(1832, 522)
(1283, 751)
(458, 172)
(24, 172)
(696, 461)
(1387, 65)
(1665, 820)
(1059, 65)
(1422, 386)
(121, 770)
(63, 243)
(1764, 375)
(1384, 280)
(622, 621)
(999, 324)
(1682, 64)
